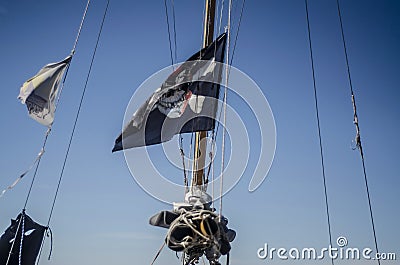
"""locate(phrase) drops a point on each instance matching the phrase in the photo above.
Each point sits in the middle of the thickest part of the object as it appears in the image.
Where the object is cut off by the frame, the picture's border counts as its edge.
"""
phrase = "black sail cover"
(185, 102)
(32, 240)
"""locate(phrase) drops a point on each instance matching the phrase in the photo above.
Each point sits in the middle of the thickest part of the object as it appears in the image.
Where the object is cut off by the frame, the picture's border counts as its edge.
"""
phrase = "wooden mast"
(200, 141)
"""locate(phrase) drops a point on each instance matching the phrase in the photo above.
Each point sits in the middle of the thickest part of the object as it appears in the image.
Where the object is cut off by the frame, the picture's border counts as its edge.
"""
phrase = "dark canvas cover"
(163, 219)
(11, 238)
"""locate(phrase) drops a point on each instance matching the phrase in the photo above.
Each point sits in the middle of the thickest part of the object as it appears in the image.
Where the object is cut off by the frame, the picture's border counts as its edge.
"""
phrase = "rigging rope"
(79, 110)
(212, 169)
(22, 239)
(197, 137)
(13, 241)
(215, 132)
(39, 157)
(185, 178)
(319, 127)
(220, 17)
(75, 122)
(174, 22)
(158, 253)
(237, 34)
(356, 123)
(224, 106)
(80, 26)
(233, 52)
(169, 32)
(202, 35)
(37, 161)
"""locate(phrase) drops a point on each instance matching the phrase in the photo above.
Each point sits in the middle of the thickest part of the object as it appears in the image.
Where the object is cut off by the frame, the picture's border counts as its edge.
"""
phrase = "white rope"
(13, 242)
(80, 27)
(224, 106)
(202, 29)
(22, 239)
(212, 171)
(72, 54)
(220, 17)
(191, 158)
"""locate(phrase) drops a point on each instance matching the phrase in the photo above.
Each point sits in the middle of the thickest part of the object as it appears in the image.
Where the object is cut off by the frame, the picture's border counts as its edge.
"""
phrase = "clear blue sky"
(101, 215)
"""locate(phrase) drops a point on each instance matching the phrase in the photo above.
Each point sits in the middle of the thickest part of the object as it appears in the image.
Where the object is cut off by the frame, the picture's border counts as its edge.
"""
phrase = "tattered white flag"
(39, 92)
